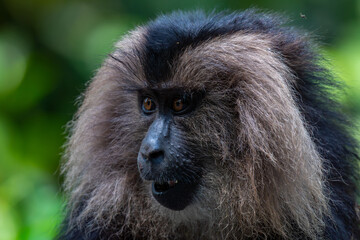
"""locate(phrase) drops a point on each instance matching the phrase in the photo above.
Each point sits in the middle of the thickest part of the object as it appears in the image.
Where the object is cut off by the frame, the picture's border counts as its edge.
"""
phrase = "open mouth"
(163, 187)
(174, 194)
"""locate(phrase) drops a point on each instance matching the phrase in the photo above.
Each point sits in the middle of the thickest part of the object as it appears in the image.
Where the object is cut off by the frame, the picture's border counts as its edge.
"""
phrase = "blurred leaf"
(101, 41)
(42, 138)
(37, 204)
(42, 213)
(40, 78)
(65, 28)
(346, 61)
(8, 224)
(7, 162)
(13, 56)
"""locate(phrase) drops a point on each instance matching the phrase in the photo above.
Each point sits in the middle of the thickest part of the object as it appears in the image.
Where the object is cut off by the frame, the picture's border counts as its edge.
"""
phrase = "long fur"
(278, 157)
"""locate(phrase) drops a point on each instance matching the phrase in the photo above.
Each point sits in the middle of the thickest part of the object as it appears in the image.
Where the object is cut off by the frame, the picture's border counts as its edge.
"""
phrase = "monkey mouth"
(174, 194)
(163, 187)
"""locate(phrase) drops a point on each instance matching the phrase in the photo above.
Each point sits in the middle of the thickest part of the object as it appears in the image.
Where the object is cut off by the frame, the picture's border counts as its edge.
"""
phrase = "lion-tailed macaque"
(218, 126)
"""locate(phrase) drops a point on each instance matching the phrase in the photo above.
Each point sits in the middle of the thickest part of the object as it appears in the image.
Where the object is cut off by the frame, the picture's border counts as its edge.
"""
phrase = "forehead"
(169, 36)
(190, 48)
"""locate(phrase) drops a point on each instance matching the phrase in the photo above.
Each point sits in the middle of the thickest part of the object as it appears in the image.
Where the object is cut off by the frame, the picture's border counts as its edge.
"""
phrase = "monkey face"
(164, 158)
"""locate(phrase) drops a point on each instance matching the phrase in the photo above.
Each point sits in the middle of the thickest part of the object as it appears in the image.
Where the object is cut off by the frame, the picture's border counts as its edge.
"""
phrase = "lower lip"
(176, 197)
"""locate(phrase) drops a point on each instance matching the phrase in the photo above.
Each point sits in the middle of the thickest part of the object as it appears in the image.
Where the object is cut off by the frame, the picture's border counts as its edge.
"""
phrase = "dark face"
(166, 158)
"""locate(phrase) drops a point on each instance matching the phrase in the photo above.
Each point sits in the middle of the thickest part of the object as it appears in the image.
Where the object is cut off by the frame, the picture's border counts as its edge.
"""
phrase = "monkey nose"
(154, 157)
(151, 149)
(151, 165)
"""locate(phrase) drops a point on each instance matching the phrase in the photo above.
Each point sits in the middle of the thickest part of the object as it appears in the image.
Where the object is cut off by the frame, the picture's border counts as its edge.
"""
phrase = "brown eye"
(148, 105)
(178, 105)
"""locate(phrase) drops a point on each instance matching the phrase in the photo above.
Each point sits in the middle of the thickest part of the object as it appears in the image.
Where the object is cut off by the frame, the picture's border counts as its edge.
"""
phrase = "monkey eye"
(148, 105)
(180, 104)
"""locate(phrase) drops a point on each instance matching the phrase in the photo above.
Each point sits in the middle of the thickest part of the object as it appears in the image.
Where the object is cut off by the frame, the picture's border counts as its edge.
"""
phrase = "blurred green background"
(49, 49)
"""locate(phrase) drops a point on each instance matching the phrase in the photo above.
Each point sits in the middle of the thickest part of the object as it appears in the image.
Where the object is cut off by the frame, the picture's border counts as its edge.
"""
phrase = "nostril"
(156, 154)
(156, 157)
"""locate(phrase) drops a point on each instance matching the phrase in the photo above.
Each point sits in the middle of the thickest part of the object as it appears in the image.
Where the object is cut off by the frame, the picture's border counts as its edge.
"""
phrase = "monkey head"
(201, 127)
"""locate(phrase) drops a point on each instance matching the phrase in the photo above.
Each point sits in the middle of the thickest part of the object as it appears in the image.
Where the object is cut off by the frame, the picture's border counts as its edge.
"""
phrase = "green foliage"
(49, 49)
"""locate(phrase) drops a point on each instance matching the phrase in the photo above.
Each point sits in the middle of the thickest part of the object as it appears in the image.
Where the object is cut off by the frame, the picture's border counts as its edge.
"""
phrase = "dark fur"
(165, 40)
